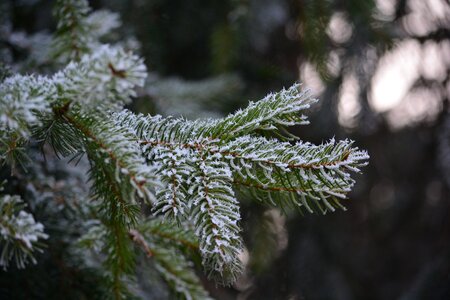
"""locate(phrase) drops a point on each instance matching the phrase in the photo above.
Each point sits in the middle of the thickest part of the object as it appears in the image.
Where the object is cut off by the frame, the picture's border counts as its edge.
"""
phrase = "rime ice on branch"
(19, 233)
(188, 172)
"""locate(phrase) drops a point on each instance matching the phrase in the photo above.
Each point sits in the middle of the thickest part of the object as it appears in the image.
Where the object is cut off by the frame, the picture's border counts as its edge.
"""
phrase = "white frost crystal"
(19, 232)
(21, 98)
(106, 78)
(188, 171)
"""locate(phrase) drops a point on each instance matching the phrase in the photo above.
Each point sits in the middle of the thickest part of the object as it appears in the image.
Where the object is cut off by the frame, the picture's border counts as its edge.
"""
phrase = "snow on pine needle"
(21, 98)
(19, 233)
(105, 79)
(188, 171)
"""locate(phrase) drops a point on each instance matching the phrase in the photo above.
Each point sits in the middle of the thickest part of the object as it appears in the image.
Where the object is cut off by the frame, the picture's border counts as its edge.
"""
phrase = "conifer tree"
(162, 190)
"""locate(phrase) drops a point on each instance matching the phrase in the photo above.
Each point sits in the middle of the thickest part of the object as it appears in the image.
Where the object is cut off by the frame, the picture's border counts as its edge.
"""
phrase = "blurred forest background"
(381, 69)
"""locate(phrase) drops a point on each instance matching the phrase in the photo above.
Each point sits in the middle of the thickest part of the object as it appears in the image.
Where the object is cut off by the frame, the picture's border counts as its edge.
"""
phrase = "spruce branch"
(116, 150)
(173, 165)
(118, 215)
(170, 233)
(312, 173)
(215, 212)
(185, 170)
(166, 246)
(163, 242)
(78, 30)
(157, 130)
(13, 152)
(309, 172)
(272, 113)
(275, 111)
(21, 98)
(119, 174)
(112, 239)
(296, 175)
(55, 131)
(19, 233)
(104, 80)
(73, 37)
(178, 273)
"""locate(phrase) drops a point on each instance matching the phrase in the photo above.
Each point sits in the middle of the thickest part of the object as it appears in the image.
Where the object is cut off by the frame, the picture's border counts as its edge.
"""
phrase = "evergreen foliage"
(186, 172)
(19, 233)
